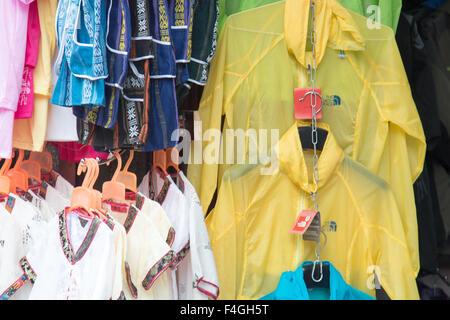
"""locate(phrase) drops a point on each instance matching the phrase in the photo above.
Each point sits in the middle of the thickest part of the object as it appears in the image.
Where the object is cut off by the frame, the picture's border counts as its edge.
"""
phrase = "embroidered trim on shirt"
(181, 255)
(157, 269)
(206, 292)
(122, 296)
(110, 223)
(65, 241)
(164, 190)
(27, 269)
(132, 213)
(131, 286)
(87, 240)
(11, 290)
(139, 201)
(27, 196)
(63, 237)
(170, 236)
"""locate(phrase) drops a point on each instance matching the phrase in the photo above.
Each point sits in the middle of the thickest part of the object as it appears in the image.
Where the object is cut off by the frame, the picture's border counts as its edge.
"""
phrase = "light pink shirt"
(13, 38)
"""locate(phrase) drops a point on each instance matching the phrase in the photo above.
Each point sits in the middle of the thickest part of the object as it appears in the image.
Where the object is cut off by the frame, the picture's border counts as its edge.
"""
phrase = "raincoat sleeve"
(223, 224)
(389, 250)
(203, 170)
(393, 130)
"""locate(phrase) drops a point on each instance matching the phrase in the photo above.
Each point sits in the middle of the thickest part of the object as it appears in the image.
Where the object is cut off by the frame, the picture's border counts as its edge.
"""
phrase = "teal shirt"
(292, 287)
(387, 14)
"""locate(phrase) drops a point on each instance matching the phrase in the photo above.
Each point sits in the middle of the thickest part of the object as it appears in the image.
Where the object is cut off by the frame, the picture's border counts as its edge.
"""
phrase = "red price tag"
(303, 98)
(303, 221)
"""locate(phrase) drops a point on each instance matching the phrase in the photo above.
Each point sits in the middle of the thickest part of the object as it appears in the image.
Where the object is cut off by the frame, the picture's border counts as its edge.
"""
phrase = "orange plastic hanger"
(129, 179)
(160, 161)
(96, 196)
(114, 190)
(172, 159)
(33, 169)
(3, 172)
(19, 177)
(5, 181)
(44, 158)
(81, 196)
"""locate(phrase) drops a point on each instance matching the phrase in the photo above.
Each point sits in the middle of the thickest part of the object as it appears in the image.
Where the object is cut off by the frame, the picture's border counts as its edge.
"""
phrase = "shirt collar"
(291, 158)
(335, 28)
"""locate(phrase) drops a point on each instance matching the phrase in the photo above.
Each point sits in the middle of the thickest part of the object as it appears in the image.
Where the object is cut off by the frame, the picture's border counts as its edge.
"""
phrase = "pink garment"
(74, 152)
(26, 97)
(13, 38)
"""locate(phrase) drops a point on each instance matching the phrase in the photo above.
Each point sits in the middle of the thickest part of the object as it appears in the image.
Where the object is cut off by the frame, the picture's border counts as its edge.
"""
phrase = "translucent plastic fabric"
(261, 58)
(386, 12)
(249, 227)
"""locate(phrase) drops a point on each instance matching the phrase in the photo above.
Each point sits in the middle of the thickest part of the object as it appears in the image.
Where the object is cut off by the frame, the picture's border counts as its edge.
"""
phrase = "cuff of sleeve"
(158, 268)
(208, 288)
(27, 269)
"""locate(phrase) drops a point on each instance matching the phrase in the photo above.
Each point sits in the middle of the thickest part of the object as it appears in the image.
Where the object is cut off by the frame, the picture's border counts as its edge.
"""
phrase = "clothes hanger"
(129, 179)
(160, 161)
(4, 172)
(305, 135)
(114, 190)
(317, 274)
(5, 181)
(18, 176)
(33, 169)
(81, 196)
(44, 158)
(96, 196)
(172, 159)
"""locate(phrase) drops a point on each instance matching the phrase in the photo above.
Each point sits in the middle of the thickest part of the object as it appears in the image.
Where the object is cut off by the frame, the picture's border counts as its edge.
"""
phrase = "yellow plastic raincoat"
(254, 212)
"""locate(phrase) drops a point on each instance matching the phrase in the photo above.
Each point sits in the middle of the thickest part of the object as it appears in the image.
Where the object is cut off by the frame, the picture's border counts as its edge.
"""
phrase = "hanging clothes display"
(371, 113)
(131, 243)
(273, 150)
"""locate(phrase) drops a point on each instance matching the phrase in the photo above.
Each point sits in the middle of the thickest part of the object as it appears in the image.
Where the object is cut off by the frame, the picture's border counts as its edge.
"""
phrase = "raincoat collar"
(291, 158)
(335, 28)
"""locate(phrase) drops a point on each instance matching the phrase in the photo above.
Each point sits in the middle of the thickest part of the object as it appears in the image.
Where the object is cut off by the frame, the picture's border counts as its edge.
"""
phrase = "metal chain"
(313, 76)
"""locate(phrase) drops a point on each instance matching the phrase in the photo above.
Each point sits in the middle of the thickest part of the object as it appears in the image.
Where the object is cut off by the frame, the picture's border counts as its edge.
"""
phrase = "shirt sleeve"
(222, 224)
(389, 138)
(389, 251)
(119, 262)
(202, 255)
(31, 262)
(203, 173)
(148, 255)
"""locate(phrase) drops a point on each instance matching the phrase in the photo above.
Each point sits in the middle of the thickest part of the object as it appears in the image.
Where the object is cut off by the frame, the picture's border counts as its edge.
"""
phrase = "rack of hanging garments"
(133, 246)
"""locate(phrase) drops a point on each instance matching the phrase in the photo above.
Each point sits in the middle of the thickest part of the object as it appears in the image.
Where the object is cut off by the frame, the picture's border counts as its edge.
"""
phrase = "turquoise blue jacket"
(292, 287)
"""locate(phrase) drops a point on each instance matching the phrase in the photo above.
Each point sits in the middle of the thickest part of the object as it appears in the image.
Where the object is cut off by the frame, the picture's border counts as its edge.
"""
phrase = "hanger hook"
(130, 159)
(314, 269)
(119, 164)
(317, 251)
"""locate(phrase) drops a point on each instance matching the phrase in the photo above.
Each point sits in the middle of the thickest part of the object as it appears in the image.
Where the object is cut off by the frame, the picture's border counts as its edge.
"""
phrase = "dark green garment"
(204, 39)
(387, 14)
